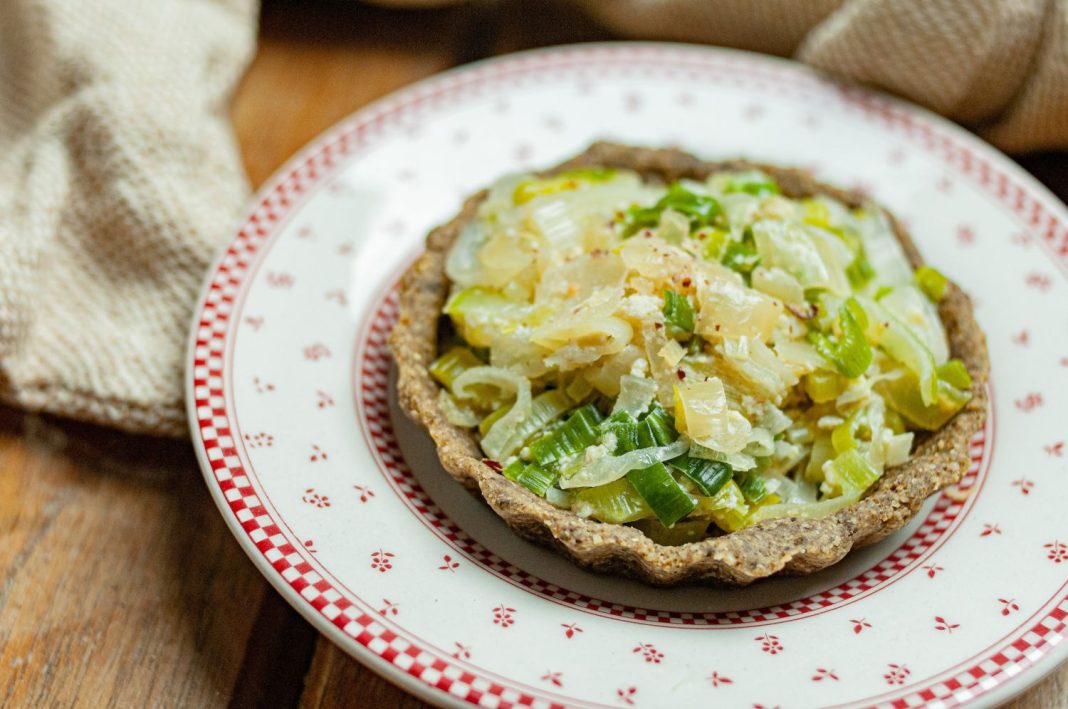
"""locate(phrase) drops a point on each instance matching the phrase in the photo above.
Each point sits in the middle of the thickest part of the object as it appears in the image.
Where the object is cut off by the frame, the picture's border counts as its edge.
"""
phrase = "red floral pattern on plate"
(570, 629)
(1008, 605)
(897, 674)
(554, 678)
(649, 653)
(382, 561)
(315, 499)
(770, 644)
(944, 625)
(504, 617)
(717, 679)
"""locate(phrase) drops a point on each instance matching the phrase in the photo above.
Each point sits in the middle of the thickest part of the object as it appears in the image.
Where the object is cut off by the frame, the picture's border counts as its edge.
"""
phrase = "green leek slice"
(910, 306)
(478, 312)
(842, 438)
(822, 386)
(487, 423)
(755, 183)
(533, 477)
(851, 473)
(850, 353)
(815, 212)
(904, 346)
(727, 508)
(646, 435)
(708, 475)
(452, 364)
(622, 426)
(662, 492)
(804, 510)
(661, 425)
(544, 409)
(741, 256)
(931, 282)
(713, 241)
(860, 272)
(956, 374)
(577, 433)
(678, 313)
(701, 210)
(754, 488)
(903, 396)
(616, 502)
(894, 421)
(822, 451)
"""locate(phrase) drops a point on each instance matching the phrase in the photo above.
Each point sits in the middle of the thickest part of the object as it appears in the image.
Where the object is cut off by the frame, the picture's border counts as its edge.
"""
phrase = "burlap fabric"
(119, 179)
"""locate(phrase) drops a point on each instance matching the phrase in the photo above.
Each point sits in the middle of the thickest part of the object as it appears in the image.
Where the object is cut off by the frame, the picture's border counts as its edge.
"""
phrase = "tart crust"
(782, 546)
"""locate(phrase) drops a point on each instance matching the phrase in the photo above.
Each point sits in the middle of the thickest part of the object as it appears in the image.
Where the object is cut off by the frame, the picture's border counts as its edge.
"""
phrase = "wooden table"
(119, 582)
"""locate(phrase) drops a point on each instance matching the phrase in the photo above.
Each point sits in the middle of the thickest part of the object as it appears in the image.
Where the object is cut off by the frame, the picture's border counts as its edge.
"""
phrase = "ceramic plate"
(341, 503)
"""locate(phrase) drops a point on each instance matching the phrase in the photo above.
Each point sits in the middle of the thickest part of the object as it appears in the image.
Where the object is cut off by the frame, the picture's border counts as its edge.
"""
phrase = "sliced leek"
(678, 313)
(576, 434)
(533, 477)
(757, 356)
(662, 492)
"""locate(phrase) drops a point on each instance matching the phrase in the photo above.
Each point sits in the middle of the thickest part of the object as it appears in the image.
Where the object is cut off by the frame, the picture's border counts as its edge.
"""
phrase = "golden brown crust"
(790, 546)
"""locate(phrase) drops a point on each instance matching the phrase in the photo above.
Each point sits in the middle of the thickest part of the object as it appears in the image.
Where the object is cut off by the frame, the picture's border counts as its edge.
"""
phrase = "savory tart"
(680, 370)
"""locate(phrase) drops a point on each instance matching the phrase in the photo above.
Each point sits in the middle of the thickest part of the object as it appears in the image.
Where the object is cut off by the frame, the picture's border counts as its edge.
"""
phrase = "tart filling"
(690, 358)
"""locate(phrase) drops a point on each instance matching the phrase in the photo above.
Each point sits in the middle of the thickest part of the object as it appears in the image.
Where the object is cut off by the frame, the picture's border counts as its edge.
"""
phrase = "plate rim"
(1010, 687)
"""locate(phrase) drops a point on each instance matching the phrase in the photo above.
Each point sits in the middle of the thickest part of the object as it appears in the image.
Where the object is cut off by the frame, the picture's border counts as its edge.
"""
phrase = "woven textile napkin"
(119, 177)
(998, 66)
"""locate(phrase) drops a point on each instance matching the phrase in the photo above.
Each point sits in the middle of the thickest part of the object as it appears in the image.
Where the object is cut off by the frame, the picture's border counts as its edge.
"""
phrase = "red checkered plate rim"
(356, 625)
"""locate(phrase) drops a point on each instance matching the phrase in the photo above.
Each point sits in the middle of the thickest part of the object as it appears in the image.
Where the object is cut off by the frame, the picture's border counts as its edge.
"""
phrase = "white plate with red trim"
(340, 502)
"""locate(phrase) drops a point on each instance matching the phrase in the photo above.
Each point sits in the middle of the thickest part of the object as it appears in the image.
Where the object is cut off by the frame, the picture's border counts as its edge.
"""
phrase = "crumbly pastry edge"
(783, 546)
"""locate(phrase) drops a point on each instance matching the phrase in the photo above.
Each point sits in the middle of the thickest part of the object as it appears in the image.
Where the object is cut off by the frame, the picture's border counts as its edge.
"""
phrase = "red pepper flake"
(680, 374)
(717, 327)
(686, 282)
(658, 325)
(492, 464)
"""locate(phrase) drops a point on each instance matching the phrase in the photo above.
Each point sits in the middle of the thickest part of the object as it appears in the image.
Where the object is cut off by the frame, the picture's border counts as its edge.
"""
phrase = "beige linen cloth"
(119, 180)
(119, 177)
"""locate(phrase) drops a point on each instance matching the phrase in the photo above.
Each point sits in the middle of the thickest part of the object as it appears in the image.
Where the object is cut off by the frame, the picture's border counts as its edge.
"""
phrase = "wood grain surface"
(119, 582)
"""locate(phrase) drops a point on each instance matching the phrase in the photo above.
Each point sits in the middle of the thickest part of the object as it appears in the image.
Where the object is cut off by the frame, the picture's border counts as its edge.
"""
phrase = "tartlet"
(789, 545)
